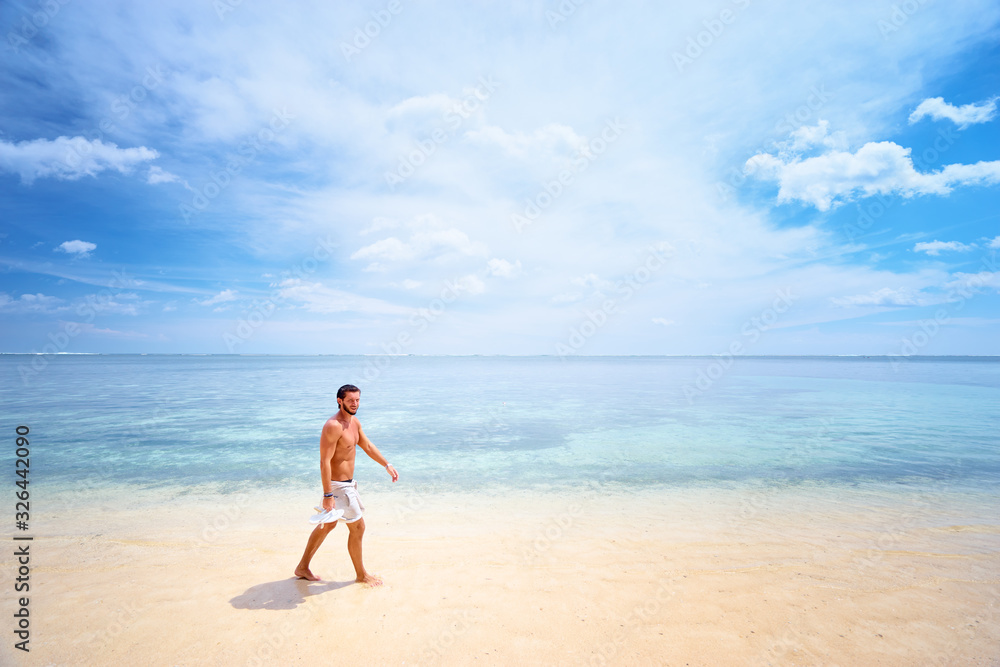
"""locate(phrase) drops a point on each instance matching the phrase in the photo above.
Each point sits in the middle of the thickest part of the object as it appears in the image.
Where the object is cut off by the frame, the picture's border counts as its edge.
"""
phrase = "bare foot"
(305, 573)
(370, 580)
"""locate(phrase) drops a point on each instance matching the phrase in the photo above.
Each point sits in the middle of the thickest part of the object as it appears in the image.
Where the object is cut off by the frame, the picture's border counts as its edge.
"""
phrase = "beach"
(765, 576)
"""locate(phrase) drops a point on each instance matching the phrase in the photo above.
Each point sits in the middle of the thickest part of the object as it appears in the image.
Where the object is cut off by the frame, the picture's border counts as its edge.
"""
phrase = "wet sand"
(694, 577)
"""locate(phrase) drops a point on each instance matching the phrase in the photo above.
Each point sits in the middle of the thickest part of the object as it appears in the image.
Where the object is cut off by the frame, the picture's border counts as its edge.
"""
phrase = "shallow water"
(227, 423)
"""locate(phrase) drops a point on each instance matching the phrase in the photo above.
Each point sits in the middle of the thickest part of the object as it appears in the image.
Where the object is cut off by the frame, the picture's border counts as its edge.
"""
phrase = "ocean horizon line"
(515, 356)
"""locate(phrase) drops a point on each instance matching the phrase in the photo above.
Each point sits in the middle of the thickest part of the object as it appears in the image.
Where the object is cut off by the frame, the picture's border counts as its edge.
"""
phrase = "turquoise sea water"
(229, 423)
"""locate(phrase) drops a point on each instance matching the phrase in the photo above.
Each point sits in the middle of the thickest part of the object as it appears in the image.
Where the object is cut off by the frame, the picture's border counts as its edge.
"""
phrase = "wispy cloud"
(316, 297)
(964, 283)
(31, 303)
(886, 296)
(937, 247)
(222, 297)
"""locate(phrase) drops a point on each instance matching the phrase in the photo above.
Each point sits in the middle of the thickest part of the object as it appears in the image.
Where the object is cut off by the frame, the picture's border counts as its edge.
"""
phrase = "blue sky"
(568, 178)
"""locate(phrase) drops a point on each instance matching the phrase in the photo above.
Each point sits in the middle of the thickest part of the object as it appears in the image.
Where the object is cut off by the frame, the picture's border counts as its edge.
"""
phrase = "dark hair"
(347, 389)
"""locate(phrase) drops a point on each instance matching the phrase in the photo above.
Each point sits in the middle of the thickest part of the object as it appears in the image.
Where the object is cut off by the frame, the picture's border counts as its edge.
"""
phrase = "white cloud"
(963, 116)
(158, 175)
(876, 168)
(89, 329)
(429, 240)
(420, 109)
(78, 247)
(68, 158)
(470, 284)
(502, 268)
(31, 303)
(969, 283)
(812, 136)
(552, 140)
(663, 322)
(103, 305)
(318, 298)
(221, 297)
(883, 297)
(936, 247)
(389, 249)
(995, 243)
(409, 283)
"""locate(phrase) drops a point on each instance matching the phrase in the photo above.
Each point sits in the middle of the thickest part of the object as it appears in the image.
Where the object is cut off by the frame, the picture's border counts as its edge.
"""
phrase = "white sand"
(692, 578)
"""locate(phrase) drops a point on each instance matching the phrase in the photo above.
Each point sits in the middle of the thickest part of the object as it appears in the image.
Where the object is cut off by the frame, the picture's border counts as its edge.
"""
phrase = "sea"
(226, 424)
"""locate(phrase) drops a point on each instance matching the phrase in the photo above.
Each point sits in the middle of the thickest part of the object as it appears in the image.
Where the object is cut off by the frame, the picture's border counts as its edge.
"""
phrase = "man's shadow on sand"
(284, 594)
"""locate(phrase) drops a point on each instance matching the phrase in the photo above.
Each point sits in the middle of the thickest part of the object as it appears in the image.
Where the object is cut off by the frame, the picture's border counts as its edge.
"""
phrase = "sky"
(574, 177)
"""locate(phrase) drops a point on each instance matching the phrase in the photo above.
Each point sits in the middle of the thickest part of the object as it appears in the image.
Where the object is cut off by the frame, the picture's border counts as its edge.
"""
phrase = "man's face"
(350, 402)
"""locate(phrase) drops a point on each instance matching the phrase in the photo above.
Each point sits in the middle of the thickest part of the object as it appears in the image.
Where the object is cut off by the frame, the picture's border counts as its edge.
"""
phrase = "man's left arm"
(372, 451)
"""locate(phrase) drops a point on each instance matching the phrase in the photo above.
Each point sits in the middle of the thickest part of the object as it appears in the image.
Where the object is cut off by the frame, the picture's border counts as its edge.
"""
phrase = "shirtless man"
(341, 434)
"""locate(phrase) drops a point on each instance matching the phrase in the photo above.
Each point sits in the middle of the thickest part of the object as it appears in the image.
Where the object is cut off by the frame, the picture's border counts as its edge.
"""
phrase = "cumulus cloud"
(813, 136)
(68, 158)
(936, 247)
(995, 243)
(882, 167)
(221, 297)
(78, 247)
(969, 114)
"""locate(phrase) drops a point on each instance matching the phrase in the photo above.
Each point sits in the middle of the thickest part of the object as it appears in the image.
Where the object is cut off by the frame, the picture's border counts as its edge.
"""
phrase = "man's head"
(348, 398)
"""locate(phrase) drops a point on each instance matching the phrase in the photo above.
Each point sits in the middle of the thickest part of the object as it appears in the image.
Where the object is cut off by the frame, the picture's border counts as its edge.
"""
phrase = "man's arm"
(372, 451)
(328, 439)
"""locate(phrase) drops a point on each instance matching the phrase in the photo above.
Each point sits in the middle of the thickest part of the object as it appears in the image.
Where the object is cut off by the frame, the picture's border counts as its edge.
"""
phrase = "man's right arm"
(332, 431)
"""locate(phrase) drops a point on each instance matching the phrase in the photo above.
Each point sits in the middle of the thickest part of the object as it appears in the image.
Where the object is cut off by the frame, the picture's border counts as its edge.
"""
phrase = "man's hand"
(392, 471)
(328, 503)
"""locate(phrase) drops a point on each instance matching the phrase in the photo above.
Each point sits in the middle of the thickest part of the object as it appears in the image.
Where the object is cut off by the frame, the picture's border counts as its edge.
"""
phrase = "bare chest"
(349, 437)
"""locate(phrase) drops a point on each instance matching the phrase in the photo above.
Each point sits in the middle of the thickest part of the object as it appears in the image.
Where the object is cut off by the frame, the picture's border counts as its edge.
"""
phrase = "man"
(341, 434)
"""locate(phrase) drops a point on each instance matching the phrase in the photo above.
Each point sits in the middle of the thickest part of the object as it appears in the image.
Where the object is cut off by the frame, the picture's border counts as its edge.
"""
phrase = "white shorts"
(345, 497)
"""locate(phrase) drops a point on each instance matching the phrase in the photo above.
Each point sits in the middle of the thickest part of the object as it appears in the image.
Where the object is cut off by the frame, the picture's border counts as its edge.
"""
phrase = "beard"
(348, 410)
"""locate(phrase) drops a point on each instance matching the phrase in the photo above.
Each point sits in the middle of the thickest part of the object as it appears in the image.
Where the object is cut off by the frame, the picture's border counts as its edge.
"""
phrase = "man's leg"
(315, 539)
(356, 532)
